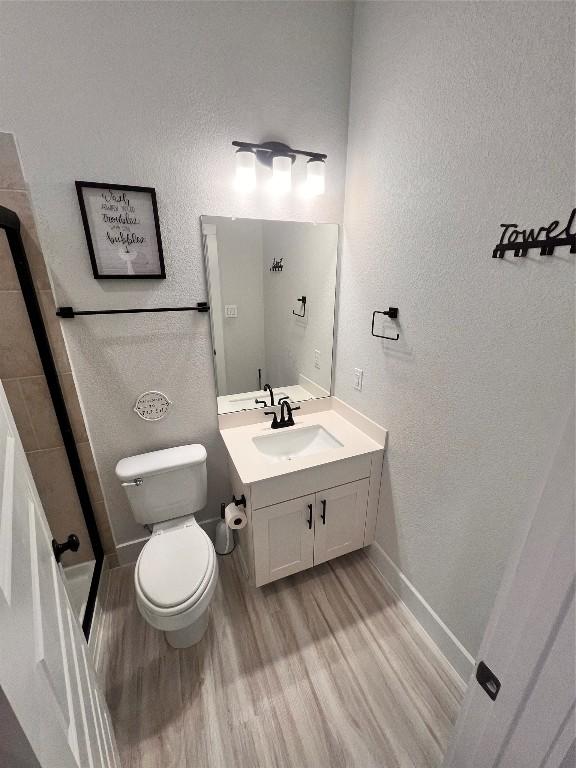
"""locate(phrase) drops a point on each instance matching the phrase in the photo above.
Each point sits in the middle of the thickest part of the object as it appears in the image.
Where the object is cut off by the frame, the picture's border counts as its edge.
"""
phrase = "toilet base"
(184, 638)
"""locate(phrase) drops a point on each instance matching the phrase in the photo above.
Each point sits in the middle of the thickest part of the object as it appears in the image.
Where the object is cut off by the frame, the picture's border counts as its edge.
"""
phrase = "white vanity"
(311, 485)
(311, 490)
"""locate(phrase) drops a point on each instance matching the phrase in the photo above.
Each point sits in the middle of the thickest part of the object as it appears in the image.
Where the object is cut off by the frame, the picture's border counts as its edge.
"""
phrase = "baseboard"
(397, 583)
(128, 552)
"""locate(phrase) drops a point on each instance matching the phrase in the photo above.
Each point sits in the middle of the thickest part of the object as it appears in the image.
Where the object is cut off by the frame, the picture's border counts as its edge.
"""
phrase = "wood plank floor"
(320, 670)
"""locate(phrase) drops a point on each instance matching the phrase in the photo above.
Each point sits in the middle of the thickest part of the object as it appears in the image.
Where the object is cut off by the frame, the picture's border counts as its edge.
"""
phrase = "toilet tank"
(173, 483)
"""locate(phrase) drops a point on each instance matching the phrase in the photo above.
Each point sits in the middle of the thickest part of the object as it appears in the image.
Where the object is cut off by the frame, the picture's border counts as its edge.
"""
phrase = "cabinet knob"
(323, 515)
(309, 517)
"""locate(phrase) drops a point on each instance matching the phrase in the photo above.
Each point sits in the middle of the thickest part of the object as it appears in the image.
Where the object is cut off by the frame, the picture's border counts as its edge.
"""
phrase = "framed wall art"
(122, 230)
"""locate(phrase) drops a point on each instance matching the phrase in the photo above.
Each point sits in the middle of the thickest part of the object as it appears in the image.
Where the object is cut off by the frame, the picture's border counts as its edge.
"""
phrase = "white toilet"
(177, 571)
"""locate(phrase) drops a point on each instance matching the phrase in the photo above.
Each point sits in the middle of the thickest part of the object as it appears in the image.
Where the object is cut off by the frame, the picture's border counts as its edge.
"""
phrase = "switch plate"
(316, 358)
(358, 376)
(230, 310)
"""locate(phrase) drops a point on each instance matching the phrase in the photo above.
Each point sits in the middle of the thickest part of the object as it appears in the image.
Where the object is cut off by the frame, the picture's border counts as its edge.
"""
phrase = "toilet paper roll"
(235, 516)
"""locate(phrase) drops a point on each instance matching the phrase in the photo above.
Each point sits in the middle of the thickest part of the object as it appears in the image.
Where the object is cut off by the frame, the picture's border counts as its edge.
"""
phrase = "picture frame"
(122, 231)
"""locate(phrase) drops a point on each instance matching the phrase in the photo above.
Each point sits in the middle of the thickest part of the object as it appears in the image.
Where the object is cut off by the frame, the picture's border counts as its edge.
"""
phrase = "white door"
(340, 520)
(283, 539)
(529, 645)
(46, 674)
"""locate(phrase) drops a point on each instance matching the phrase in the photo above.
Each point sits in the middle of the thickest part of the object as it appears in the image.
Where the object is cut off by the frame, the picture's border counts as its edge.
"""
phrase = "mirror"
(272, 287)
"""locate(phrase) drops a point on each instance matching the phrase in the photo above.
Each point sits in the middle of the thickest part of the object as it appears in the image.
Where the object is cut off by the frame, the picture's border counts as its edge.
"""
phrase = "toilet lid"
(173, 565)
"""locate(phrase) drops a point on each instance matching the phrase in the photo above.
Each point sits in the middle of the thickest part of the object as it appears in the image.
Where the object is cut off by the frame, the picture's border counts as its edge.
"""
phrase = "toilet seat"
(175, 569)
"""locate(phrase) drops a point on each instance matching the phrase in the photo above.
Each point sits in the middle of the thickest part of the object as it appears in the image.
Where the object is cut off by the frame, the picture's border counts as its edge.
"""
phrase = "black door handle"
(309, 517)
(323, 515)
(72, 543)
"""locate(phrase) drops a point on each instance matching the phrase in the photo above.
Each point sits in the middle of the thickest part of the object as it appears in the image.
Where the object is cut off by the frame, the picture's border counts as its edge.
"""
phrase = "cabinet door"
(283, 539)
(340, 520)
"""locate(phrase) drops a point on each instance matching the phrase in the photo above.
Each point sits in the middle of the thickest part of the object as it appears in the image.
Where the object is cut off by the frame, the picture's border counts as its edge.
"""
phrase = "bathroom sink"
(290, 443)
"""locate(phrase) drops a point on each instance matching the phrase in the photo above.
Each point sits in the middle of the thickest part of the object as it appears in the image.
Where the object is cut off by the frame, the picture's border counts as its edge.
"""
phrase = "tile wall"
(24, 382)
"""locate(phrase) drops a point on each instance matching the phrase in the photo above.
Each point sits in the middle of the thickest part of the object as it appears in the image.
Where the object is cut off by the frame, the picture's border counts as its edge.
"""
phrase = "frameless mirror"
(272, 287)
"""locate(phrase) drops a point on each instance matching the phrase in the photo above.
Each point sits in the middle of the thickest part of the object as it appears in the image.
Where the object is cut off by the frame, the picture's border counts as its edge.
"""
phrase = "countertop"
(252, 466)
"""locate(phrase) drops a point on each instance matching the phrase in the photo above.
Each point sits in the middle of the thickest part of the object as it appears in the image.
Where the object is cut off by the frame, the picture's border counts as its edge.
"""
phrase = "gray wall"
(461, 118)
(241, 281)
(309, 256)
(153, 94)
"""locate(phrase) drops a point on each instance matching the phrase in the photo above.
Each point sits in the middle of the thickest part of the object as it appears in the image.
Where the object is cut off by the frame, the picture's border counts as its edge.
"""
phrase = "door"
(340, 520)
(283, 539)
(525, 718)
(46, 674)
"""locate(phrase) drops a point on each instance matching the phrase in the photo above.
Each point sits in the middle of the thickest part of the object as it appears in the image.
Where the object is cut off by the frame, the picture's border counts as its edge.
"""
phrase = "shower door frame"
(10, 223)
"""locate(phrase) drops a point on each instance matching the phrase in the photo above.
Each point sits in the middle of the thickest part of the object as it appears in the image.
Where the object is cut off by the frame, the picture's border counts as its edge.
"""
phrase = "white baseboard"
(397, 583)
(129, 551)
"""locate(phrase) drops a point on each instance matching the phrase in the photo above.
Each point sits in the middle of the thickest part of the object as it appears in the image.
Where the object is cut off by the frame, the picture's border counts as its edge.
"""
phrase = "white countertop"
(252, 466)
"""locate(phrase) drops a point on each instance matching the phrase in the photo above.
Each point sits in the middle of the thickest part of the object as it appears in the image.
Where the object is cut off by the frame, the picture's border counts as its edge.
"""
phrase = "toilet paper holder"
(240, 501)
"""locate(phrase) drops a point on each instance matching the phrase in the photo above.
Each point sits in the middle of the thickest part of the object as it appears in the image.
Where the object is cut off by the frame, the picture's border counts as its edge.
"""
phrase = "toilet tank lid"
(157, 462)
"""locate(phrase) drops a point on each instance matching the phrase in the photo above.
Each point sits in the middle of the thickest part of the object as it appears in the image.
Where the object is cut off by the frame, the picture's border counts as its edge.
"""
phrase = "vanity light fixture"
(245, 169)
(280, 158)
(281, 173)
(315, 176)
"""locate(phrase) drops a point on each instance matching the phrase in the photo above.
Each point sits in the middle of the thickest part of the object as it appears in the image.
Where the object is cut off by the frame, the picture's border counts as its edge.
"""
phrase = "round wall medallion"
(152, 406)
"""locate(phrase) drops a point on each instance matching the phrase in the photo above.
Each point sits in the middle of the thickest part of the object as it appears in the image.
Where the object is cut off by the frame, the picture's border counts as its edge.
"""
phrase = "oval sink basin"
(290, 443)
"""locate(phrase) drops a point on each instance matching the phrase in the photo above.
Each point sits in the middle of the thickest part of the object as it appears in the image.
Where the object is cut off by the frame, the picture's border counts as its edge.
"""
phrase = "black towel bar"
(70, 312)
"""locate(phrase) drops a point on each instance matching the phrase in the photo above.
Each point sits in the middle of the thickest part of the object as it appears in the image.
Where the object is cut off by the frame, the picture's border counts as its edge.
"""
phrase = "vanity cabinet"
(297, 534)
(309, 506)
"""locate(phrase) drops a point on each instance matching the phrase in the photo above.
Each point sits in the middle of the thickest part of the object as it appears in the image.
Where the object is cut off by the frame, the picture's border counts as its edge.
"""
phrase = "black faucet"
(263, 402)
(286, 419)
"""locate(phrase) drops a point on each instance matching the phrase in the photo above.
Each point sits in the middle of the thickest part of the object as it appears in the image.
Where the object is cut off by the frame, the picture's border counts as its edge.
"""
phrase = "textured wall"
(153, 94)
(461, 118)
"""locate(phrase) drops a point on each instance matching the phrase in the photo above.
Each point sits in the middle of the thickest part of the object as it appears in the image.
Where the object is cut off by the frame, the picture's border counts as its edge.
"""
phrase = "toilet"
(177, 570)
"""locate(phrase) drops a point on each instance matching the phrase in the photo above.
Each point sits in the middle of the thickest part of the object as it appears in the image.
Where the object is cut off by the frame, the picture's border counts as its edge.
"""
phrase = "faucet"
(263, 402)
(272, 403)
(286, 418)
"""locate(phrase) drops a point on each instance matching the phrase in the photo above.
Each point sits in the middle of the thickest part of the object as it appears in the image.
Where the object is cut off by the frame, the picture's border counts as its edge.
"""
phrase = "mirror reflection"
(272, 288)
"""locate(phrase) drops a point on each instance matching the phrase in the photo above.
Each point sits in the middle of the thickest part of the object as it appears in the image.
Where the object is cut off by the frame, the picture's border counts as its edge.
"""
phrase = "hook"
(392, 313)
(302, 301)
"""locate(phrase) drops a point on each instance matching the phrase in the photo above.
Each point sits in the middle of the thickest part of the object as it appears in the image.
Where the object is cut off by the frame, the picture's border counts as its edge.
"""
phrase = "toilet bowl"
(175, 577)
(177, 570)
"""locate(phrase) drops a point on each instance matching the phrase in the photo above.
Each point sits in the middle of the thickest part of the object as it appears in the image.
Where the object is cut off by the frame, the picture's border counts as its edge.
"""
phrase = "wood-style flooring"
(323, 669)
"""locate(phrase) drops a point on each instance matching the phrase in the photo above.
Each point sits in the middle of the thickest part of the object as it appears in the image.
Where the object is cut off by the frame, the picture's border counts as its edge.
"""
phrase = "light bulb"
(281, 173)
(245, 169)
(315, 176)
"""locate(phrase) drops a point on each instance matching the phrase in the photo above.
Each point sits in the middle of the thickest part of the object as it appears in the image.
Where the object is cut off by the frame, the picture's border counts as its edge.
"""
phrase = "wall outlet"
(358, 376)
(316, 358)
(230, 310)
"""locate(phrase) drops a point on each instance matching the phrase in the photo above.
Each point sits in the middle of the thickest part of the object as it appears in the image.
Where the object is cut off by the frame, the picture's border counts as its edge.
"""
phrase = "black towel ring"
(392, 313)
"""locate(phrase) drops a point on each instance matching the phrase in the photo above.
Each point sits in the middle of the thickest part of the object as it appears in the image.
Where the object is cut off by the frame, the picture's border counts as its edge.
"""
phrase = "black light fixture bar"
(70, 312)
(277, 148)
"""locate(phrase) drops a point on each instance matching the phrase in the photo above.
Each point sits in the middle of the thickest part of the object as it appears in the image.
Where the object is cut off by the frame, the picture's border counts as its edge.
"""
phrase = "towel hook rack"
(302, 301)
(392, 313)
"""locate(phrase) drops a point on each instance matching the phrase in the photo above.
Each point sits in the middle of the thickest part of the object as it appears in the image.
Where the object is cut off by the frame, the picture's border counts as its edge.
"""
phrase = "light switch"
(358, 376)
(230, 310)
(316, 358)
